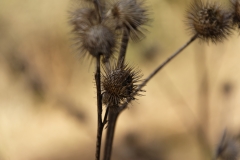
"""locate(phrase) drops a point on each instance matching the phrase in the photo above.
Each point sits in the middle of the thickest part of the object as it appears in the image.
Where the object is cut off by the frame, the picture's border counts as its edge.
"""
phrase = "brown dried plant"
(97, 28)
(92, 35)
(209, 20)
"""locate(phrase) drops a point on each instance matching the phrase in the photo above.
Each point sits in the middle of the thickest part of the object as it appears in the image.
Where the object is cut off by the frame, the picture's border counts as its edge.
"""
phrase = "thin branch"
(105, 117)
(98, 8)
(158, 69)
(99, 108)
(112, 119)
(166, 62)
(123, 49)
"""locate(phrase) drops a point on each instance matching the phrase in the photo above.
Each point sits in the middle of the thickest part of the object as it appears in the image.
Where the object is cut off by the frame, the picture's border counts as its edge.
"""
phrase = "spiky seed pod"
(129, 14)
(92, 36)
(209, 21)
(120, 85)
(236, 12)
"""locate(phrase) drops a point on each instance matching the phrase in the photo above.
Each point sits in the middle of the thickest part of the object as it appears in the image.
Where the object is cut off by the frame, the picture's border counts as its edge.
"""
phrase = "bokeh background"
(48, 97)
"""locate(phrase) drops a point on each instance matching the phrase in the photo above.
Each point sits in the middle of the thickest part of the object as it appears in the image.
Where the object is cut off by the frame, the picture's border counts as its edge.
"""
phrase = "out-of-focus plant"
(103, 29)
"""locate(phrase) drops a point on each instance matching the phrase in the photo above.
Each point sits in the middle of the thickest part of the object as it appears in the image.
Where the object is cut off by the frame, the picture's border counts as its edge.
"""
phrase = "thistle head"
(129, 14)
(120, 85)
(236, 12)
(209, 21)
(91, 36)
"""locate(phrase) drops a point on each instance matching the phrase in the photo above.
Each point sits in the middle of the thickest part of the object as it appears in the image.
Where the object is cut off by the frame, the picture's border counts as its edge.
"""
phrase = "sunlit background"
(48, 97)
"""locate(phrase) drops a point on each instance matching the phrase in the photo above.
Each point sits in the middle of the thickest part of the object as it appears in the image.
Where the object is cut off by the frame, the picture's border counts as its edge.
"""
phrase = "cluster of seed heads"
(211, 22)
(98, 28)
(97, 32)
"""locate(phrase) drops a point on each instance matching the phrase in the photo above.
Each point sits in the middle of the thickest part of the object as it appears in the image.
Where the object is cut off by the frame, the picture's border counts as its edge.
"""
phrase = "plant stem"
(112, 119)
(159, 68)
(123, 49)
(105, 117)
(166, 62)
(98, 8)
(113, 114)
(99, 108)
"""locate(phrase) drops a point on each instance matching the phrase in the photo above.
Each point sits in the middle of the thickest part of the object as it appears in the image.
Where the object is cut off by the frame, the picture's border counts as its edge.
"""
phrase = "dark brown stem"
(159, 68)
(98, 8)
(123, 49)
(99, 109)
(112, 119)
(166, 62)
(105, 117)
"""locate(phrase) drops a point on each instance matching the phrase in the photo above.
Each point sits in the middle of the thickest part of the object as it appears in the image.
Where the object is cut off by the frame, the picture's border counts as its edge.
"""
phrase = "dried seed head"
(236, 12)
(90, 35)
(129, 14)
(209, 21)
(119, 85)
(99, 39)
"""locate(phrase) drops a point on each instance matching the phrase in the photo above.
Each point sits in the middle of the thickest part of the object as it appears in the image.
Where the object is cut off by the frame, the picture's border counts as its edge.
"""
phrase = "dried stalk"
(112, 119)
(98, 8)
(99, 108)
(123, 49)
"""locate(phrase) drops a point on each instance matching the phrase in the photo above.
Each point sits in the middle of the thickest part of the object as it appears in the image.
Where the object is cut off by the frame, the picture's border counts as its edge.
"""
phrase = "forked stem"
(113, 114)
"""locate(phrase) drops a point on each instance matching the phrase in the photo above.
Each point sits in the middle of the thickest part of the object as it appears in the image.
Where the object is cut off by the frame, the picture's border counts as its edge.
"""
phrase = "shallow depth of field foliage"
(48, 94)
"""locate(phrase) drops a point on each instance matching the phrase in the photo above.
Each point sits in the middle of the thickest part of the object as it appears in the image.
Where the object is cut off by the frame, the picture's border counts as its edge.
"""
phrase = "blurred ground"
(48, 101)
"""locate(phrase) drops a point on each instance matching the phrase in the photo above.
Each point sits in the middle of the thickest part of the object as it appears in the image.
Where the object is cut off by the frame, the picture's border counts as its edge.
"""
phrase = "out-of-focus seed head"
(120, 85)
(91, 36)
(236, 12)
(82, 18)
(99, 39)
(129, 14)
(209, 21)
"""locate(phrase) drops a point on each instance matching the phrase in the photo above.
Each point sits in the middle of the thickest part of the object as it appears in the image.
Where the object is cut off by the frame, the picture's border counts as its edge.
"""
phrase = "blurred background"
(48, 96)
